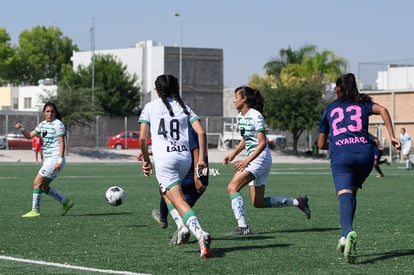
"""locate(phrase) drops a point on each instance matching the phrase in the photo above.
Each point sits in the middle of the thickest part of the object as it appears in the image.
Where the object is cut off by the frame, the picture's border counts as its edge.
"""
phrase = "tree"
(6, 53)
(288, 56)
(294, 102)
(294, 109)
(40, 55)
(115, 93)
(74, 105)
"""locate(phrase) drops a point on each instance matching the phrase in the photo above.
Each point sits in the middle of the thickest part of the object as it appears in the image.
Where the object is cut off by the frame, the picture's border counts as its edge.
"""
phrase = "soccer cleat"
(341, 244)
(380, 175)
(240, 231)
(205, 242)
(67, 206)
(180, 237)
(304, 206)
(157, 217)
(350, 252)
(183, 236)
(31, 214)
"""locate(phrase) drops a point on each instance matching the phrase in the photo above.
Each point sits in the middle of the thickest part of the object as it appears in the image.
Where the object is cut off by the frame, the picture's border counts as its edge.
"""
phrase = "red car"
(126, 140)
(18, 141)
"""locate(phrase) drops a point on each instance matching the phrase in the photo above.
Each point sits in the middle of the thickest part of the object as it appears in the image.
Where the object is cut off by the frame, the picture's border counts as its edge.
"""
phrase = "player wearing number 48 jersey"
(168, 119)
(345, 122)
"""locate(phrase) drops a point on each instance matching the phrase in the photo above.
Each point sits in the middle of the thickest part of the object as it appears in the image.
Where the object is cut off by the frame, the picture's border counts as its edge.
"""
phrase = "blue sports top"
(347, 127)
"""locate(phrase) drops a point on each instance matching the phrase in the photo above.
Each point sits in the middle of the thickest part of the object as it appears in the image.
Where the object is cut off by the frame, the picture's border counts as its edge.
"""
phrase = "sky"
(251, 33)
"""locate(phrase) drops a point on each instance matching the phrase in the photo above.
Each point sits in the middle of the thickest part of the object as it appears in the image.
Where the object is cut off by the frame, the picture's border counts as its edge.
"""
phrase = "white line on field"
(68, 266)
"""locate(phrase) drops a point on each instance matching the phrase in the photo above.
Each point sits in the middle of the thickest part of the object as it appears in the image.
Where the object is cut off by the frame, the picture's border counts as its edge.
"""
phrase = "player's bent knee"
(344, 191)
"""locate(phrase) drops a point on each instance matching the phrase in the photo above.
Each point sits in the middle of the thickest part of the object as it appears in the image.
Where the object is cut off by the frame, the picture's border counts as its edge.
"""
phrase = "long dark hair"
(167, 86)
(53, 105)
(348, 90)
(254, 100)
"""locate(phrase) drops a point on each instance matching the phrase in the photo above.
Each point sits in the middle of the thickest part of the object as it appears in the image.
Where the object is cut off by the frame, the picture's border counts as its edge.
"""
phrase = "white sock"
(283, 201)
(56, 195)
(195, 227)
(177, 219)
(37, 197)
(237, 205)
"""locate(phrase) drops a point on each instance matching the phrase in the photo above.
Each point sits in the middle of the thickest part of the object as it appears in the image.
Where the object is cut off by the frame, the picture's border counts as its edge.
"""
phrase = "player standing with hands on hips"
(168, 119)
(254, 169)
(345, 121)
(53, 134)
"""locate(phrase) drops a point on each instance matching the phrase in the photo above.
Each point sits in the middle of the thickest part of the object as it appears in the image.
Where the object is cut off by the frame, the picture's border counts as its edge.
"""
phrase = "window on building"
(27, 102)
(15, 103)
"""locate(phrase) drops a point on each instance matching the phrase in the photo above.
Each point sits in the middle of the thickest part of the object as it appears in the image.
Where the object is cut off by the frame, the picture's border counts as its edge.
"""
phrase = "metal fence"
(96, 134)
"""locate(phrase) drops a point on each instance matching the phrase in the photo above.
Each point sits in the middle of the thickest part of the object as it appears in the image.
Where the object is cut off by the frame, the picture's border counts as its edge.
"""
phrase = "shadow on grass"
(254, 236)
(102, 214)
(298, 230)
(386, 256)
(221, 252)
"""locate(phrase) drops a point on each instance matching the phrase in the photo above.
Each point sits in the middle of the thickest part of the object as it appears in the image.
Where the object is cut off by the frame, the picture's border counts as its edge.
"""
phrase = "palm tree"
(288, 56)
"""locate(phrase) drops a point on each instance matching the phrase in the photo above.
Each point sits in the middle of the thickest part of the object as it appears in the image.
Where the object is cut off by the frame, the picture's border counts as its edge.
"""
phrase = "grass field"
(101, 237)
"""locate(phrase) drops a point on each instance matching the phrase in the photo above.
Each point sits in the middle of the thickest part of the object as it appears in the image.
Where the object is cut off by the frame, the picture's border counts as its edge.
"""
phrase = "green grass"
(126, 238)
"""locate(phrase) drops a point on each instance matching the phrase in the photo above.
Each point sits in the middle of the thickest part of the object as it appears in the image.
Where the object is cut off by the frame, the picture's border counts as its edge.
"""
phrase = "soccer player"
(378, 150)
(345, 122)
(168, 119)
(405, 140)
(53, 132)
(254, 169)
(193, 187)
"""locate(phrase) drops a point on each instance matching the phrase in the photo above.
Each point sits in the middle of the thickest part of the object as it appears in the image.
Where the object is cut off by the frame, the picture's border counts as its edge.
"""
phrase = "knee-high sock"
(191, 221)
(56, 195)
(237, 205)
(280, 202)
(163, 210)
(36, 199)
(408, 163)
(176, 216)
(347, 205)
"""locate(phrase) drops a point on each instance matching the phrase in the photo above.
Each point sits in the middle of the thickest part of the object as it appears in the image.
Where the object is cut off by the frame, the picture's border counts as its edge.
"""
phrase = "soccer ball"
(115, 195)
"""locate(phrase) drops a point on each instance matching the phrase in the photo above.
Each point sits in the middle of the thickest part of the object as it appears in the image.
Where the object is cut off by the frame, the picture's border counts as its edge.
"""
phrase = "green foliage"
(115, 92)
(41, 53)
(294, 101)
(126, 238)
(6, 53)
(287, 56)
(295, 109)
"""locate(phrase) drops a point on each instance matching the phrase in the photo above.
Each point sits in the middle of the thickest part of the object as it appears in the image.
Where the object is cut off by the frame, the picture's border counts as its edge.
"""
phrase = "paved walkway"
(111, 155)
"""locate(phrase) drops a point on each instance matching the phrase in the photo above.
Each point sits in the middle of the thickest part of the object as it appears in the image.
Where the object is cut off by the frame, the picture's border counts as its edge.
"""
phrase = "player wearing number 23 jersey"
(345, 121)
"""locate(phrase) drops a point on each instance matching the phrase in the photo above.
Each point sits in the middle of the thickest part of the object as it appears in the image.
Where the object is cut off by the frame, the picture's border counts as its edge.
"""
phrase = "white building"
(202, 71)
(146, 61)
(25, 98)
(396, 77)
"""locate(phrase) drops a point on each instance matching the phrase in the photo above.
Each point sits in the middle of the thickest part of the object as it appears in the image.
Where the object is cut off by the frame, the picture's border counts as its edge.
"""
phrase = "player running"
(168, 119)
(345, 122)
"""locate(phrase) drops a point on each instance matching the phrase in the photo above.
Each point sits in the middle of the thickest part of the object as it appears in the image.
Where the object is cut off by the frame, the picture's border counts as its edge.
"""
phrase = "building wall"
(202, 69)
(5, 98)
(400, 105)
(202, 79)
(28, 98)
